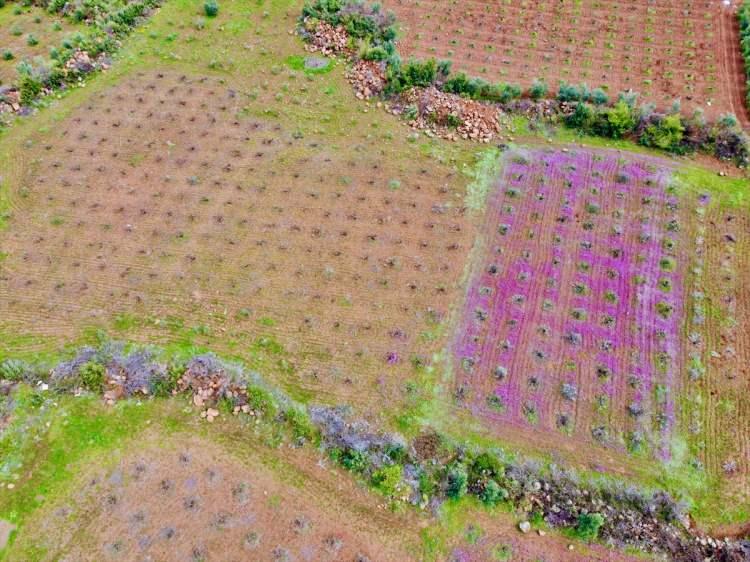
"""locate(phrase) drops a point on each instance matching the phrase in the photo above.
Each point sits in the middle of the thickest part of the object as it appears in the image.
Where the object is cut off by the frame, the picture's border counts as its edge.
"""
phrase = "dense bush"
(457, 481)
(211, 8)
(30, 88)
(93, 376)
(538, 90)
(588, 526)
(401, 77)
(387, 479)
(666, 133)
(744, 16)
(478, 89)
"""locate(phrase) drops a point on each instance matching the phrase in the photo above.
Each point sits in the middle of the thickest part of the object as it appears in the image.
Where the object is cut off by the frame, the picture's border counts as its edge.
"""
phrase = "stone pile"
(324, 38)
(449, 116)
(367, 78)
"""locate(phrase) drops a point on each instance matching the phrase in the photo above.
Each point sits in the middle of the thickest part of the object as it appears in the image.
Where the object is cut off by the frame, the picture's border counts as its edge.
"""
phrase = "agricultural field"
(164, 202)
(665, 51)
(247, 314)
(26, 33)
(597, 313)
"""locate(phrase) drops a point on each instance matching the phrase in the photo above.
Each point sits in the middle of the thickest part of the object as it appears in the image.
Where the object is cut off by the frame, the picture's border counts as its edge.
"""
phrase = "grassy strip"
(387, 463)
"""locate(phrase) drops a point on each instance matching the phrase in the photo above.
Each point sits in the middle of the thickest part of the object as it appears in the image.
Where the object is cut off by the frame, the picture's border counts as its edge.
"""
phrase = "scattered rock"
(524, 526)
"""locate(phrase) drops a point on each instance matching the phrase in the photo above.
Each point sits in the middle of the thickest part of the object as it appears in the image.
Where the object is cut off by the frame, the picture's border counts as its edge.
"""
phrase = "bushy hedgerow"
(671, 132)
(372, 33)
(744, 16)
(478, 89)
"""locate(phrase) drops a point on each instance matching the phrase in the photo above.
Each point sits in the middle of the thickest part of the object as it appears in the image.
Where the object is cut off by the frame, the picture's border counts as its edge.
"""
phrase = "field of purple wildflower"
(572, 320)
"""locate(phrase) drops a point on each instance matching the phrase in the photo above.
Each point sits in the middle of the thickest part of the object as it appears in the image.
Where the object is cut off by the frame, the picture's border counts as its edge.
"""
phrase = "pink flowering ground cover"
(573, 317)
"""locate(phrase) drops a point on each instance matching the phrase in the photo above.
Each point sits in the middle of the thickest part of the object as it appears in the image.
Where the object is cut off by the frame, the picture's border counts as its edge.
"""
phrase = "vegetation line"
(425, 472)
(362, 33)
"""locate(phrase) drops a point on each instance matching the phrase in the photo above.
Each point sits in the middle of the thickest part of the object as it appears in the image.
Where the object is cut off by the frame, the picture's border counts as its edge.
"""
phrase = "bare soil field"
(666, 51)
(162, 198)
(27, 34)
(188, 499)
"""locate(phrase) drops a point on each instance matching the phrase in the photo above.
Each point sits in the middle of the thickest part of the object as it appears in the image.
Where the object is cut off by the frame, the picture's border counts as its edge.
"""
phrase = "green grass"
(49, 435)
(297, 62)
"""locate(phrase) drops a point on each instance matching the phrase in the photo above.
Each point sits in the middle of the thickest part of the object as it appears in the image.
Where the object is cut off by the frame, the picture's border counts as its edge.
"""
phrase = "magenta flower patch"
(572, 319)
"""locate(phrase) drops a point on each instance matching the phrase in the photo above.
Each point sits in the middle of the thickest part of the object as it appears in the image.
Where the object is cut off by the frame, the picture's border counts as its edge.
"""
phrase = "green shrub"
(667, 134)
(299, 423)
(569, 92)
(30, 89)
(92, 375)
(387, 479)
(261, 401)
(444, 68)
(728, 120)
(493, 493)
(211, 8)
(581, 118)
(8, 54)
(414, 73)
(354, 460)
(163, 385)
(588, 526)
(31, 40)
(486, 466)
(12, 370)
(599, 97)
(478, 89)
(457, 481)
(620, 120)
(538, 90)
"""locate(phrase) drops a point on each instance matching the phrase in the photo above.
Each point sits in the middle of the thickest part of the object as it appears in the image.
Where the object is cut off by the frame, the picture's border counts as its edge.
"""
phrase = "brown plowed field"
(161, 200)
(666, 50)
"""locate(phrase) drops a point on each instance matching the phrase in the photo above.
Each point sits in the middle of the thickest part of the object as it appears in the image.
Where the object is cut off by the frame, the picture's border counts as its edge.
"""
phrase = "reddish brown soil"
(190, 500)
(687, 50)
(723, 424)
(162, 201)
